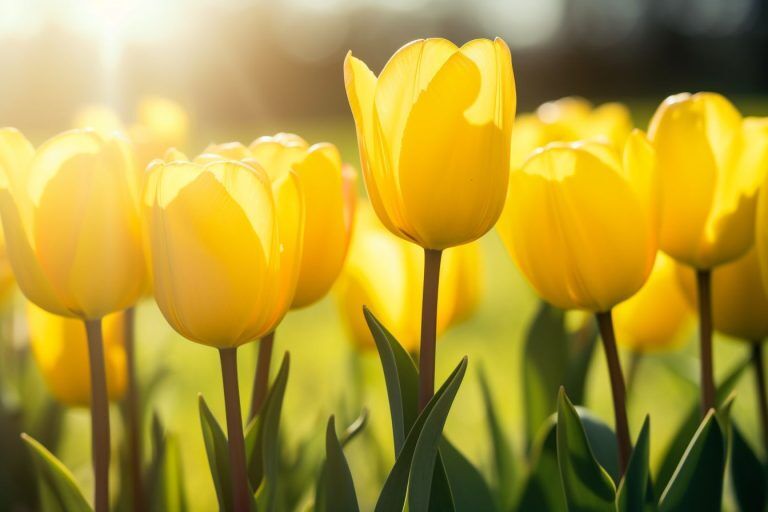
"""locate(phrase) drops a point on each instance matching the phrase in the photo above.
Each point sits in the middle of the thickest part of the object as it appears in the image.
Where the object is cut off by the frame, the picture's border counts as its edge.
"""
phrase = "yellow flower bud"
(329, 200)
(656, 317)
(72, 223)
(568, 120)
(385, 273)
(739, 301)
(160, 124)
(711, 163)
(434, 132)
(226, 246)
(60, 349)
(581, 222)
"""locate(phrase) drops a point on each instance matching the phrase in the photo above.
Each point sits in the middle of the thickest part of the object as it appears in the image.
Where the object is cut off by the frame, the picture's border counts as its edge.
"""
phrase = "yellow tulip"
(160, 124)
(7, 280)
(434, 132)
(568, 120)
(656, 317)
(581, 222)
(711, 163)
(739, 301)
(385, 273)
(60, 349)
(226, 246)
(72, 224)
(329, 200)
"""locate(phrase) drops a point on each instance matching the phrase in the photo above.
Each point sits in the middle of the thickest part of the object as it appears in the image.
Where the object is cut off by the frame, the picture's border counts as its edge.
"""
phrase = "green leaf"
(468, 487)
(217, 450)
(542, 490)
(58, 490)
(166, 472)
(697, 483)
(339, 488)
(635, 492)
(440, 493)
(748, 475)
(545, 364)
(503, 459)
(587, 486)
(262, 446)
(602, 441)
(414, 467)
(689, 426)
(355, 428)
(401, 378)
(350, 433)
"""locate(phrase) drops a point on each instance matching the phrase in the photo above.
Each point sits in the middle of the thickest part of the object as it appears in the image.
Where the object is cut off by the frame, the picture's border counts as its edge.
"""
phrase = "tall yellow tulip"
(656, 317)
(329, 200)
(711, 162)
(60, 349)
(434, 131)
(384, 273)
(581, 224)
(226, 247)
(567, 120)
(71, 218)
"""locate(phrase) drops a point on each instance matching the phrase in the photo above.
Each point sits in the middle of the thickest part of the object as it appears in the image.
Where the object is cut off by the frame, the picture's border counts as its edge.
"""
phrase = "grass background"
(329, 377)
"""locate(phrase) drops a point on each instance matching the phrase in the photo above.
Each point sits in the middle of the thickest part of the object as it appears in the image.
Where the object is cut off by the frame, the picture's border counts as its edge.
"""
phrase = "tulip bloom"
(226, 246)
(568, 120)
(71, 219)
(160, 124)
(384, 273)
(60, 348)
(434, 132)
(581, 224)
(711, 162)
(654, 318)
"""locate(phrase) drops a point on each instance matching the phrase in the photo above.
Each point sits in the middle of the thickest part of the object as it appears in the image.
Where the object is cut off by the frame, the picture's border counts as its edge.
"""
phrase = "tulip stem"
(240, 493)
(428, 326)
(607, 334)
(762, 394)
(261, 379)
(132, 411)
(100, 447)
(704, 287)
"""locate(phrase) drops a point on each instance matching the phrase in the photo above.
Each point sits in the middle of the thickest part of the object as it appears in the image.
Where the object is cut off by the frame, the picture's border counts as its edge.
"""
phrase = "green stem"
(240, 494)
(607, 334)
(261, 379)
(428, 326)
(132, 414)
(100, 447)
(704, 286)
(762, 393)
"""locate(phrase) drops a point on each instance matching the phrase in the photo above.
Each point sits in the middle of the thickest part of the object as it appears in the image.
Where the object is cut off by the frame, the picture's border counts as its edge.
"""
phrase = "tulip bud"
(581, 222)
(225, 244)
(711, 163)
(72, 223)
(656, 317)
(739, 301)
(160, 124)
(385, 273)
(60, 349)
(434, 132)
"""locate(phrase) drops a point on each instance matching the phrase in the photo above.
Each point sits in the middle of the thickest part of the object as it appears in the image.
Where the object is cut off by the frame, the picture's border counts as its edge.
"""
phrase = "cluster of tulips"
(640, 228)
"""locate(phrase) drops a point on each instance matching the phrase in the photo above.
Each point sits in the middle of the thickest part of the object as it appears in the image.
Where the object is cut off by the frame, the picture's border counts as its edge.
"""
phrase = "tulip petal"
(277, 155)
(209, 259)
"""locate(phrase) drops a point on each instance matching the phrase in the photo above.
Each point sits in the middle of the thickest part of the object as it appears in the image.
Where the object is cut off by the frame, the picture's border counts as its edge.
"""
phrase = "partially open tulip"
(711, 162)
(385, 273)
(739, 301)
(60, 349)
(434, 132)
(71, 219)
(581, 222)
(658, 315)
(329, 201)
(567, 120)
(224, 256)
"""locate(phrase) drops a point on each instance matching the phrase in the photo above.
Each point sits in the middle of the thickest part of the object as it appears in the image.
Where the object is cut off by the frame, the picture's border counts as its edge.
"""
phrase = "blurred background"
(247, 68)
